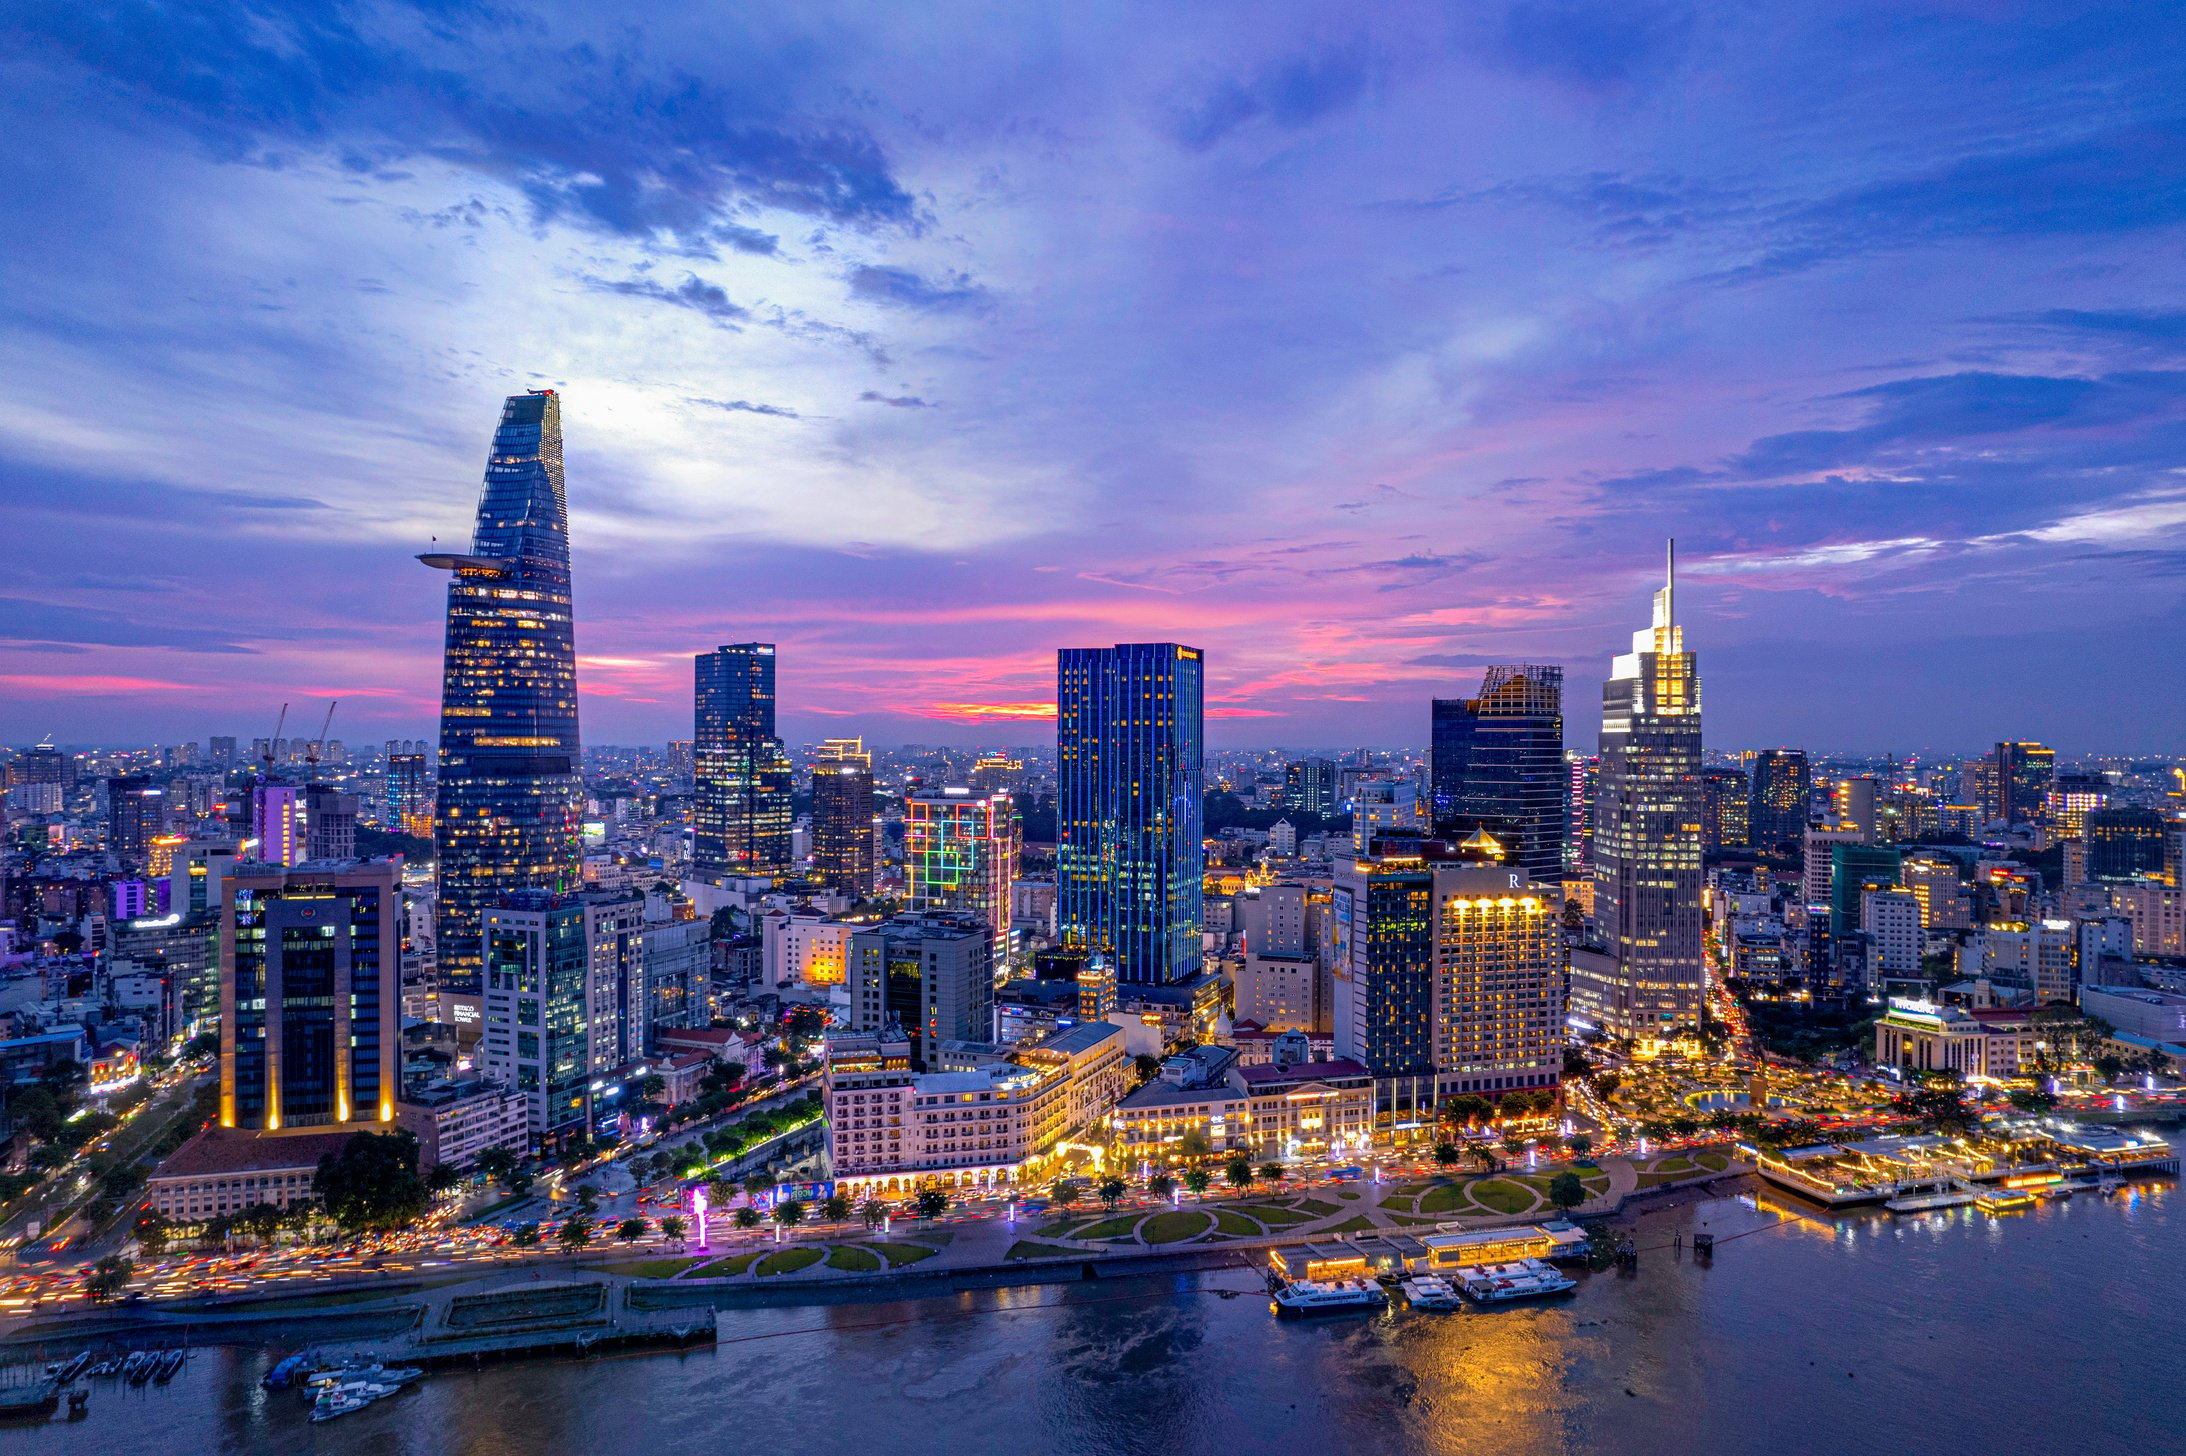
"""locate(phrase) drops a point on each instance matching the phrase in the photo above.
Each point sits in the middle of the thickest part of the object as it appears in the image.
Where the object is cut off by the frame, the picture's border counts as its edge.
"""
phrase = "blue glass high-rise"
(740, 819)
(510, 795)
(1130, 760)
(1497, 763)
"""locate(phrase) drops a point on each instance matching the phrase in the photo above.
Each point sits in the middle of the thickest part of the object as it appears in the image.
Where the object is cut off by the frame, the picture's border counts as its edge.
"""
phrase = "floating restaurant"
(1876, 1170)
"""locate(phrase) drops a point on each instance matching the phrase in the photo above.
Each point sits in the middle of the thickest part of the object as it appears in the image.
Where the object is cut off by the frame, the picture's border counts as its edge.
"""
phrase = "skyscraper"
(1646, 978)
(740, 820)
(2024, 773)
(1783, 783)
(1583, 770)
(1130, 770)
(509, 794)
(842, 816)
(960, 849)
(1497, 761)
(1729, 800)
(409, 795)
(310, 988)
(136, 810)
(1310, 785)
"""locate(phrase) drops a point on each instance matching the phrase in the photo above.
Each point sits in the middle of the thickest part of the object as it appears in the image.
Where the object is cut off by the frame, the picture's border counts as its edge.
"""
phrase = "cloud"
(26, 621)
(745, 406)
(905, 289)
(748, 240)
(1591, 43)
(693, 292)
(1290, 92)
(594, 132)
(898, 401)
(2163, 326)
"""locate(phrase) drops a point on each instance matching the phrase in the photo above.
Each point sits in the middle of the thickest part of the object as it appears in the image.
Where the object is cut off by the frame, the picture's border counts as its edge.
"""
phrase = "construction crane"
(266, 759)
(313, 749)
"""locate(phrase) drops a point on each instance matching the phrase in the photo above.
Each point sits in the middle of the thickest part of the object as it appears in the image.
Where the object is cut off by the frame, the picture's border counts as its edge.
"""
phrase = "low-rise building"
(454, 1122)
(1920, 1036)
(223, 1171)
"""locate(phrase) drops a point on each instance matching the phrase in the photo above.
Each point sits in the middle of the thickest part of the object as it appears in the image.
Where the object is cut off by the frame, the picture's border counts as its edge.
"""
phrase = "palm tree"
(872, 1213)
(1446, 1155)
(672, 1229)
(1112, 1191)
(1161, 1185)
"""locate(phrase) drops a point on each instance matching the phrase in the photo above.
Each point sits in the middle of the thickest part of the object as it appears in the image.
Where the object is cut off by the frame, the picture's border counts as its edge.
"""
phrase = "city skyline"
(1362, 354)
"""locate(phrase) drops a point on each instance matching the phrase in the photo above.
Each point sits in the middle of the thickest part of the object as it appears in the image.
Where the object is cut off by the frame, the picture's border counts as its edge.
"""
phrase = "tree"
(652, 1087)
(371, 1185)
(1575, 1063)
(630, 1230)
(1112, 1191)
(673, 1228)
(932, 1203)
(38, 1112)
(872, 1213)
(837, 1208)
(1239, 1171)
(526, 1235)
(747, 1217)
(108, 1277)
(152, 1232)
(1566, 1191)
(2032, 1099)
(1271, 1172)
(1064, 1191)
(204, 1044)
(1580, 1145)
(758, 1184)
(1194, 1144)
(1197, 1180)
(789, 1213)
(588, 1198)
(576, 1231)
(1146, 1068)
(445, 1176)
(1483, 1157)
(1446, 1155)
(497, 1164)
(1161, 1185)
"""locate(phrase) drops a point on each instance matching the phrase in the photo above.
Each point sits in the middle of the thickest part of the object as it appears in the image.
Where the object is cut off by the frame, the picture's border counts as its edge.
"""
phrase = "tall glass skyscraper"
(1130, 762)
(842, 816)
(1497, 762)
(510, 794)
(740, 821)
(1646, 978)
(1783, 787)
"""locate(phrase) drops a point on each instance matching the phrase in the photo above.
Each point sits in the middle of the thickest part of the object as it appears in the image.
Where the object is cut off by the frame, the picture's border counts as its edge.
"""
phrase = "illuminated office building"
(2071, 798)
(2127, 841)
(1499, 980)
(1727, 800)
(740, 818)
(509, 795)
(409, 795)
(1130, 769)
(136, 810)
(1496, 761)
(1311, 785)
(1645, 979)
(1783, 786)
(310, 995)
(2022, 773)
(1583, 772)
(960, 853)
(842, 816)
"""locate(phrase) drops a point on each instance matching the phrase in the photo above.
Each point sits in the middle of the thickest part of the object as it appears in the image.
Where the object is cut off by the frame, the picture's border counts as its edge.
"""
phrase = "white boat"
(1501, 1283)
(1430, 1291)
(1313, 1296)
(1927, 1202)
(349, 1397)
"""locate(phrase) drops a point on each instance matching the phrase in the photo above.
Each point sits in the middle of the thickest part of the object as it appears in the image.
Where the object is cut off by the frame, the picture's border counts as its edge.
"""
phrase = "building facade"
(960, 851)
(1497, 761)
(1782, 795)
(842, 817)
(310, 996)
(538, 996)
(929, 974)
(1130, 769)
(1647, 839)
(740, 815)
(509, 797)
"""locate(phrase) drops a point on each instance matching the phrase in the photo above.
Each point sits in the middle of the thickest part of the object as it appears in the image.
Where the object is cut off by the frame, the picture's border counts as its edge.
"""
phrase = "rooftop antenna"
(265, 760)
(313, 748)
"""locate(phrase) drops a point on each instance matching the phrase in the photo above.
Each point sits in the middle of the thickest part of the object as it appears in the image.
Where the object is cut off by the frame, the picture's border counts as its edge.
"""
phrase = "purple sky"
(924, 339)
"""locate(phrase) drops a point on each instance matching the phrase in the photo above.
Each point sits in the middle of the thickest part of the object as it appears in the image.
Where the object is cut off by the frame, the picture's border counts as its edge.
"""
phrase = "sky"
(1361, 346)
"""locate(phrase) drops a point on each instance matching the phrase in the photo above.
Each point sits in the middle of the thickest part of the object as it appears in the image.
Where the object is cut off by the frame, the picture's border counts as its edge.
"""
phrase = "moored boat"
(1319, 1296)
(1432, 1292)
(1502, 1283)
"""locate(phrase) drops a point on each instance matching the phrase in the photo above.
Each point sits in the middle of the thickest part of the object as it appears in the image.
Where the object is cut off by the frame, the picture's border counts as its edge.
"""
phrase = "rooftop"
(1270, 1075)
(220, 1150)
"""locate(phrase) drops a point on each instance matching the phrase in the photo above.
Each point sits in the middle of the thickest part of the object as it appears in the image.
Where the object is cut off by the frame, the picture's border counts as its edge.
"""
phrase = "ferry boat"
(2004, 1200)
(349, 1397)
(1430, 1291)
(1316, 1296)
(1500, 1283)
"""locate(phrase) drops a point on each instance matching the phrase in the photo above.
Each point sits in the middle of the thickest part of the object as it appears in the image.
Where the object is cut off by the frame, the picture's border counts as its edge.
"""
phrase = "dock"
(519, 1316)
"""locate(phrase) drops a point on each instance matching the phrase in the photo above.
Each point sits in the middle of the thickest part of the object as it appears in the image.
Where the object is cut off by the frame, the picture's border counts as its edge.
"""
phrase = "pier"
(518, 1316)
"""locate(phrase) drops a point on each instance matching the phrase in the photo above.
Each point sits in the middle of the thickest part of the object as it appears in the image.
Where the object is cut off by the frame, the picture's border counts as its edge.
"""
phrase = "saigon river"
(2049, 1331)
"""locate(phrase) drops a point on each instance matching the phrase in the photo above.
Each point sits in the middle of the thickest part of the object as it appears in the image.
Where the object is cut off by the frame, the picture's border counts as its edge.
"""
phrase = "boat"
(1928, 1202)
(2004, 1200)
(1317, 1296)
(32, 1402)
(168, 1364)
(362, 1371)
(1501, 1283)
(138, 1367)
(64, 1372)
(1431, 1291)
(286, 1371)
(350, 1396)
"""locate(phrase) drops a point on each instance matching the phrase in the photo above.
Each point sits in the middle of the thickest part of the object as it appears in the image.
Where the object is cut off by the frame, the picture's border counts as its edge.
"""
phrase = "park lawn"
(645, 1268)
(1111, 1228)
(1175, 1227)
(1714, 1162)
(1409, 1190)
(789, 1261)
(854, 1259)
(1279, 1218)
(1032, 1249)
(1504, 1195)
(728, 1268)
(1060, 1229)
(1350, 1226)
(1444, 1198)
(1316, 1207)
(899, 1255)
(1237, 1224)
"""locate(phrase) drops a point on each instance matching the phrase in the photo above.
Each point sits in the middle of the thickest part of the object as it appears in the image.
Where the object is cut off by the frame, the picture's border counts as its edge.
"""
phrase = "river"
(2044, 1332)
